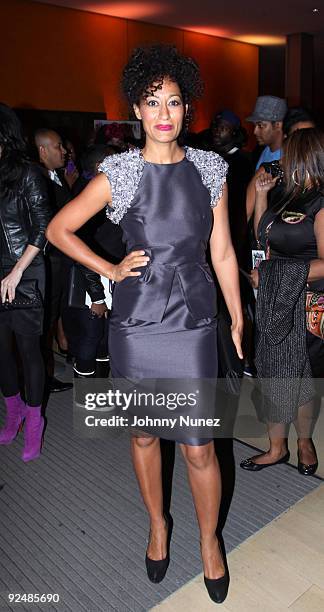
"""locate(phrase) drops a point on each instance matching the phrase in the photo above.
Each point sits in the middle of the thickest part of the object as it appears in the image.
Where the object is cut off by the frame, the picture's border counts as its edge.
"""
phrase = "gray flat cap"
(268, 108)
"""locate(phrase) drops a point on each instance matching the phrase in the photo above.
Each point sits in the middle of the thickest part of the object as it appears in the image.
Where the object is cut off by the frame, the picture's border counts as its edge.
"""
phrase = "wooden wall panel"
(139, 33)
(60, 58)
(63, 59)
(230, 73)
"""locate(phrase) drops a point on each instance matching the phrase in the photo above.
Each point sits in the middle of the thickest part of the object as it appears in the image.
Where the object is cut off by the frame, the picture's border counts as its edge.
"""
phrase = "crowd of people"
(161, 211)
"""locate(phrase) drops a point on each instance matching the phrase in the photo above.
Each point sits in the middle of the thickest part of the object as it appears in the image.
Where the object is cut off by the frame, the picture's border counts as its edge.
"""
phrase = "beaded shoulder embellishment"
(212, 169)
(124, 172)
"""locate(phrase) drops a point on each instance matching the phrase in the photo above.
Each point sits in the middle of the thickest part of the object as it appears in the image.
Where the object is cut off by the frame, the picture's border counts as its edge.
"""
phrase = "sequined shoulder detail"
(124, 172)
(212, 169)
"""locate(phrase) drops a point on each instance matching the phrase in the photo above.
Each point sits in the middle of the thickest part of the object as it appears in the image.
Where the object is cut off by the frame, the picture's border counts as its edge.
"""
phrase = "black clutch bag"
(77, 289)
(27, 295)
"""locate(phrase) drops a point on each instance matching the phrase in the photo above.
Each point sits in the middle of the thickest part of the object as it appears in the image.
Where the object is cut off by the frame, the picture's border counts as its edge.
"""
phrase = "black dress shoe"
(307, 470)
(218, 587)
(156, 570)
(55, 385)
(249, 465)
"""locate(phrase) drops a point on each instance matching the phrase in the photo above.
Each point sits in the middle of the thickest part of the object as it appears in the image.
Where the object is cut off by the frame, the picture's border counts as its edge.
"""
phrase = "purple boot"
(33, 433)
(15, 415)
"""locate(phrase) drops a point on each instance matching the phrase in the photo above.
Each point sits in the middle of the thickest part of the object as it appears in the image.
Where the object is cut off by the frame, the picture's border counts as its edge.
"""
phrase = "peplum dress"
(163, 323)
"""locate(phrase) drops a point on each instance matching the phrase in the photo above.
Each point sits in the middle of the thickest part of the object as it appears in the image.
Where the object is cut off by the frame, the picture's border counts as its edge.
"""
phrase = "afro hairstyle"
(147, 67)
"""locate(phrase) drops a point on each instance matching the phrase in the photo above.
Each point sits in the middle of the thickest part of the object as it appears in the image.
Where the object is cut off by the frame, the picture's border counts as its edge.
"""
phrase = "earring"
(186, 121)
(293, 177)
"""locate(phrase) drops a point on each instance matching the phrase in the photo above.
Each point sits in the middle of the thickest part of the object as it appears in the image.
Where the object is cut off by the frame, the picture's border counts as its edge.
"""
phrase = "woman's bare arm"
(74, 215)
(226, 268)
(250, 198)
(262, 185)
(316, 271)
(251, 194)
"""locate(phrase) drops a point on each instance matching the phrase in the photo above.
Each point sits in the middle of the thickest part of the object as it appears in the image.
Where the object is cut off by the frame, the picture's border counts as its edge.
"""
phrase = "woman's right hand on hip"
(136, 259)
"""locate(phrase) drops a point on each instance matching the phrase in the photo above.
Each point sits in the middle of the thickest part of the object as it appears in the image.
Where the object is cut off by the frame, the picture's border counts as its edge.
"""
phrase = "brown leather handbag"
(315, 313)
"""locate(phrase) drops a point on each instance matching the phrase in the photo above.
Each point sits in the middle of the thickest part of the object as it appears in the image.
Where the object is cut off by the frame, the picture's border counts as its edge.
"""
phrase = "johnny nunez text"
(121, 421)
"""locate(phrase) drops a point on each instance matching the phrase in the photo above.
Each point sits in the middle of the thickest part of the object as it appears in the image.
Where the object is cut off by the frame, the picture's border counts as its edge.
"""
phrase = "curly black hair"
(148, 66)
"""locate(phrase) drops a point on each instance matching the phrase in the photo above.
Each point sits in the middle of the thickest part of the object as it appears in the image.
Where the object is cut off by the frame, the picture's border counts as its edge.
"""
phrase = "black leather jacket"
(82, 281)
(25, 213)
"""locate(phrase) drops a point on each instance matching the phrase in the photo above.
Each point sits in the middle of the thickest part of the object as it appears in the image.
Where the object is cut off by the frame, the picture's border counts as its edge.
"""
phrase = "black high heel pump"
(218, 587)
(156, 570)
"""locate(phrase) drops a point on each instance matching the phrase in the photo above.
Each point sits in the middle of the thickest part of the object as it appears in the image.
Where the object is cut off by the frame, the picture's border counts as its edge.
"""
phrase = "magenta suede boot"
(14, 417)
(33, 433)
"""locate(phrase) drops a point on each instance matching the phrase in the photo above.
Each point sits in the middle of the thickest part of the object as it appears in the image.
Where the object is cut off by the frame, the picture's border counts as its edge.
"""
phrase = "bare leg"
(146, 455)
(278, 444)
(61, 337)
(205, 482)
(304, 425)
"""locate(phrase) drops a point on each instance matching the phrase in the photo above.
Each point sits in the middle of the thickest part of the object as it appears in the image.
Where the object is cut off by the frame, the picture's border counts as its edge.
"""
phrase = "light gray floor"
(73, 522)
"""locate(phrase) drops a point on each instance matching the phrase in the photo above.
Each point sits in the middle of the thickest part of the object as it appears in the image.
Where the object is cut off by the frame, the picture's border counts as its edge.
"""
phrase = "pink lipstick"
(164, 128)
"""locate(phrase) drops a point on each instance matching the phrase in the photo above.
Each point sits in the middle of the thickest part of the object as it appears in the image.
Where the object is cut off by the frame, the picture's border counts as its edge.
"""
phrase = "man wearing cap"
(268, 117)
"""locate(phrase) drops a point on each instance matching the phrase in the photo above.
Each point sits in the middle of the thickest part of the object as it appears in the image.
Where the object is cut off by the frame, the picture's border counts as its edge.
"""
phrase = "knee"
(144, 441)
(199, 457)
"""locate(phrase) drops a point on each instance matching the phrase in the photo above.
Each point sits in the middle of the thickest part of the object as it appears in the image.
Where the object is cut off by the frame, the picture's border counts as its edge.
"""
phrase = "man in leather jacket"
(52, 156)
(87, 328)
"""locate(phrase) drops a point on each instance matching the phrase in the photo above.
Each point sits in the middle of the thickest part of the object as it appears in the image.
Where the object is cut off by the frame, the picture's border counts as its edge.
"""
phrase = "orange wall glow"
(64, 59)
(229, 70)
(127, 10)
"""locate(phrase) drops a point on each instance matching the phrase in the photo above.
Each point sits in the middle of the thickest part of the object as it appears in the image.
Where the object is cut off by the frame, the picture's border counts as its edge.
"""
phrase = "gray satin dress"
(163, 323)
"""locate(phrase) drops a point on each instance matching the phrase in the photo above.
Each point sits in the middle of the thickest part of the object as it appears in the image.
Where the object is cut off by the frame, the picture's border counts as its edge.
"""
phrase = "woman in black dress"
(293, 228)
(170, 202)
(24, 215)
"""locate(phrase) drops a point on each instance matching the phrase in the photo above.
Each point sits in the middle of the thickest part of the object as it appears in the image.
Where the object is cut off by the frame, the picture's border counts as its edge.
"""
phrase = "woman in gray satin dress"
(171, 202)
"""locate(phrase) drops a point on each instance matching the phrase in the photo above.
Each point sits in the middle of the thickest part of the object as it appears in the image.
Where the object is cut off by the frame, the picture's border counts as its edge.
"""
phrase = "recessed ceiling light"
(315, 10)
